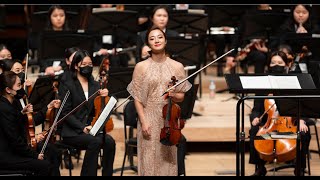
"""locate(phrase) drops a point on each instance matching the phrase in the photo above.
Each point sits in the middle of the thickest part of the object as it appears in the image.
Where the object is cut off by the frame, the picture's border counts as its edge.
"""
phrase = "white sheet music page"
(284, 82)
(255, 82)
(103, 116)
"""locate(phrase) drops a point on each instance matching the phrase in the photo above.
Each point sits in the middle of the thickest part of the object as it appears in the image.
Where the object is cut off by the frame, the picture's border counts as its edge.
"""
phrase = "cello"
(171, 131)
(276, 150)
(100, 102)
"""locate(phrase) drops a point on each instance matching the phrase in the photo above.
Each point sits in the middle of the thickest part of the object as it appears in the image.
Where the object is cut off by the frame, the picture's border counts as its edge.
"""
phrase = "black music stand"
(115, 23)
(118, 81)
(53, 45)
(42, 93)
(187, 104)
(263, 24)
(189, 52)
(184, 22)
(235, 86)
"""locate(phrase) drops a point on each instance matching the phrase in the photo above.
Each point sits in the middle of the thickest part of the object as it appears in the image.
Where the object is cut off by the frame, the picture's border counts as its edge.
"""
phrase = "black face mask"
(21, 76)
(20, 94)
(86, 71)
(277, 69)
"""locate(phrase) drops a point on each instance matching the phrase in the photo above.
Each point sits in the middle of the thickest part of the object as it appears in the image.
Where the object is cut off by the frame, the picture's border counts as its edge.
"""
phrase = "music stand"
(115, 23)
(263, 24)
(187, 104)
(184, 22)
(189, 52)
(118, 81)
(42, 93)
(225, 15)
(53, 44)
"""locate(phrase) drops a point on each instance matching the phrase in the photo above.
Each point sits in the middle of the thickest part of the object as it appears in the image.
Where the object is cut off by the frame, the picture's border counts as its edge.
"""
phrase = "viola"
(171, 131)
(276, 150)
(100, 102)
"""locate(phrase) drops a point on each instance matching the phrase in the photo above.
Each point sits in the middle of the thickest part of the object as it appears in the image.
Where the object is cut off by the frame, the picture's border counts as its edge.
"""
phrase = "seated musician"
(4, 52)
(279, 65)
(76, 128)
(253, 51)
(16, 152)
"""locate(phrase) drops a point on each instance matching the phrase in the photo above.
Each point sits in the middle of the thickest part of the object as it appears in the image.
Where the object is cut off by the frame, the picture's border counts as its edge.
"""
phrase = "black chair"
(313, 122)
(130, 124)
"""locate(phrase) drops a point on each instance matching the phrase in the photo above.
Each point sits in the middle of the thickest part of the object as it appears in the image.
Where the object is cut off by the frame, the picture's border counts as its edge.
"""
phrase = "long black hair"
(77, 58)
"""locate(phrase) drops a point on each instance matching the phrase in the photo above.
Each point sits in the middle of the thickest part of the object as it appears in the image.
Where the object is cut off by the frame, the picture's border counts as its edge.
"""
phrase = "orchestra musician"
(16, 153)
(278, 64)
(150, 79)
(4, 52)
(254, 51)
(75, 129)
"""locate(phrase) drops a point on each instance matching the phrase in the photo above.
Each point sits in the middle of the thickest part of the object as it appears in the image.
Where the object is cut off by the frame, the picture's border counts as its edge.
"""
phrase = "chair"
(130, 118)
(313, 122)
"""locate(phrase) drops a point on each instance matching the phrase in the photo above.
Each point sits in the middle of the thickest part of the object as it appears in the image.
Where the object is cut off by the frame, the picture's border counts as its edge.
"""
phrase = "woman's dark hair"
(7, 79)
(69, 51)
(3, 46)
(77, 58)
(155, 9)
(285, 46)
(7, 64)
(49, 24)
(281, 54)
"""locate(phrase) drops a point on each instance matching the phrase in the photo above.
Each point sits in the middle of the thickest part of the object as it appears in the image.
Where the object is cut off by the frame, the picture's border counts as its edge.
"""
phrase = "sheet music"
(255, 82)
(100, 10)
(270, 82)
(103, 116)
(284, 82)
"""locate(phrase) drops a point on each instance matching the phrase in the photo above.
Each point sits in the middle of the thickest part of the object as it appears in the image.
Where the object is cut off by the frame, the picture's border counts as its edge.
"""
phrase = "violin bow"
(180, 82)
(54, 122)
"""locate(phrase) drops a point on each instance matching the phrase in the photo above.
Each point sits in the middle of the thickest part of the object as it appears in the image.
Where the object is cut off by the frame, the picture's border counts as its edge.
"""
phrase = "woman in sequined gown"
(150, 80)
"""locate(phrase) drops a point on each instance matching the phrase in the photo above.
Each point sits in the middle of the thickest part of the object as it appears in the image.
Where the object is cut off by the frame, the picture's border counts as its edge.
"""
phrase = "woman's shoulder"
(175, 63)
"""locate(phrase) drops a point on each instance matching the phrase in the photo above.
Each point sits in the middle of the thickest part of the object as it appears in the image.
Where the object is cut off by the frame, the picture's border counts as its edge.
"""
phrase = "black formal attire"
(15, 153)
(72, 129)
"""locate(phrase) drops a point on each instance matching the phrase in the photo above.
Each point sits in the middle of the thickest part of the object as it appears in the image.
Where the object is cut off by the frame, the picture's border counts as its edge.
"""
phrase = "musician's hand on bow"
(40, 137)
(87, 129)
(104, 92)
(27, 109)
(255, 121)
(41, 156)
(54, 104)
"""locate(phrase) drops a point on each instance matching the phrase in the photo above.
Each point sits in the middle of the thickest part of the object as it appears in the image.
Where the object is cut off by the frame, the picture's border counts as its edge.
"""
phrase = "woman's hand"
(87, 129)
(104, 92)
(146, 131)
(27, 109)
(303, 126)
(54, 104)
(255, 121)
(41, 156)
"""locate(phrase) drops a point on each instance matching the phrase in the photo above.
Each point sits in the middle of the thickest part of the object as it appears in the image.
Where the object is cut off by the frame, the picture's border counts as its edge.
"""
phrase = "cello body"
(281, 150)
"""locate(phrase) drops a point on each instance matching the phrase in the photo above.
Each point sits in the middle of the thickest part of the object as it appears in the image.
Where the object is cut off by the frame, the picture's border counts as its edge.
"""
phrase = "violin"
(52, 112)
(276, 150)
(30, 126)
(100, 102)
(295, 64)
(171, 131)
(243, 53)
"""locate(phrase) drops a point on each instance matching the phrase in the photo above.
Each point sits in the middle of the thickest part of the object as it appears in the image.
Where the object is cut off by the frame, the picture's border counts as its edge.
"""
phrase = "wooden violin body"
(171, 132)
(100, 102)
(31, 132)
(281, 150)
